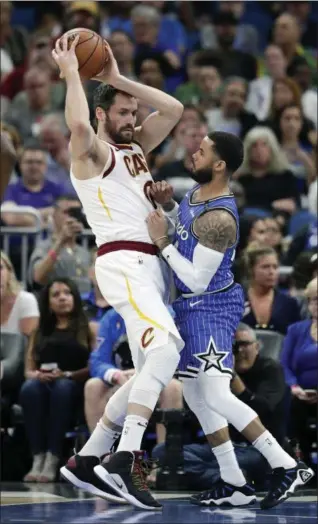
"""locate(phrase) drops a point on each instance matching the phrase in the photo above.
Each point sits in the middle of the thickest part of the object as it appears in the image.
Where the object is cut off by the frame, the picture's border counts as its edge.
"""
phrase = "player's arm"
(8, 159)
(158, 125)
(215, 230)
(83, 139)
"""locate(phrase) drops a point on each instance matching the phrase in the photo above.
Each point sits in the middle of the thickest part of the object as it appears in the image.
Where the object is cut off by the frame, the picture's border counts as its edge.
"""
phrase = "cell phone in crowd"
(77, 213)
(48, 368)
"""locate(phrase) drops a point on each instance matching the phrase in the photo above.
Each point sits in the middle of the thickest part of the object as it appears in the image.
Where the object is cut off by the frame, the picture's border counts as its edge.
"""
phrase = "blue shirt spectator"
(22, 195)
(299, 356)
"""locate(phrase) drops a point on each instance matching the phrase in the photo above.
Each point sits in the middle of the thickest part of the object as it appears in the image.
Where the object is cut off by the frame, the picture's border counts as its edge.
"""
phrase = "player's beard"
(117, 135)
(202, 176)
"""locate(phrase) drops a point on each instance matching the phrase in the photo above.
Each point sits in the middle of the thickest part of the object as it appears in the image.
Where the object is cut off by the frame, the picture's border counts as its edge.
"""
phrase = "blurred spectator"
(239, 194)
(32, 190)
(290, 120)
(308, 28)
(13, 40)
(299, 359)
(259, 382)
(305, 239)
(300, 72)
(111, 366)
(231, 117)
(245, 35)
(252, 229)
(82, 14)
(312, 196)
(54, 137)
(123, 48)
(178, 173)
(188, 92)
(56, 368)
(59, 255)
(260, 90)
(152, 69)
(209, 81)
(19, 309)
(287, 35)
(39, 56)
(305, 268)
(30, 106)
(13, 138)
(266, 307)
(94, 304)
(274, 235)
(223, 36)
(265, 174)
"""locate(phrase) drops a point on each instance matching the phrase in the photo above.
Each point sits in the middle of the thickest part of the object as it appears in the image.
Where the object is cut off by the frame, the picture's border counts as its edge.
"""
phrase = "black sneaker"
(79, 471)
(126, 473)
(284, 482)
(225, 494)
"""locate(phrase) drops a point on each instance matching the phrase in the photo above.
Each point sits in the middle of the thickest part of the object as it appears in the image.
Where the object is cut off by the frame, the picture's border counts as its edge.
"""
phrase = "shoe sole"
(296, 484)
(72, 479)
(236, 500)
(107, 478)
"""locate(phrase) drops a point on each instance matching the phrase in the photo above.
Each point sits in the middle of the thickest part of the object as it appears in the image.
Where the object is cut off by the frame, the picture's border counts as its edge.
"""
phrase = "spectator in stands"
(209, 81)
(53, 137)
(231, 116)
(82, 14)
(13, 40)
(301, 73)
(189, 92)
(274, 235)
(266, 307)
(56, 369)
(33, 189)
(111, 366)
(94, 304)
(252, 229)
(30, 106)
(265, 174)
(299, 359)
(60, 255)
(308, 28)
(259, 382)
(245, 36)
(305, 269)
(290, 121)
(10, 134)
(305, 239)
(178, 173)
(153, 69)
(286, 35)
(123, 48)
(19, 309)
(260, 90)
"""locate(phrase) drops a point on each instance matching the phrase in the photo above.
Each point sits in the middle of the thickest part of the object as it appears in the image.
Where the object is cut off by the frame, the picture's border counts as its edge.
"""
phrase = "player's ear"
(100, 114)
(219, 166)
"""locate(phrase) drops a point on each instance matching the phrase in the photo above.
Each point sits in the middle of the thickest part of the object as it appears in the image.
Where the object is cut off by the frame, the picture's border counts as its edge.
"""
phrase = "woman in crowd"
(265, 174)
(56, 369)
(266, 307)
(290, 122)
(18, 309)
(299, 360)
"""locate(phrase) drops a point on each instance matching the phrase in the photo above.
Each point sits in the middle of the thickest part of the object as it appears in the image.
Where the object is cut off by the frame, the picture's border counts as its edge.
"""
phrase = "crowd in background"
(249, 68)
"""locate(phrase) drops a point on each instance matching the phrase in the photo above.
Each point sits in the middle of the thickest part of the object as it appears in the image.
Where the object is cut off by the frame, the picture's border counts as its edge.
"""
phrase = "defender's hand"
(161, 192)
(66, 57)
(157, 225)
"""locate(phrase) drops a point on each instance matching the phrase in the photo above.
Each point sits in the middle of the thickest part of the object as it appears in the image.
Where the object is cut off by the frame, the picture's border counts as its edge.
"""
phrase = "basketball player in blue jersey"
(207, 315)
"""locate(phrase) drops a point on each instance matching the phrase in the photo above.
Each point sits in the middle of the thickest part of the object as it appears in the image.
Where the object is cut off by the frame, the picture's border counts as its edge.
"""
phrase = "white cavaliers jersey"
(115, 202)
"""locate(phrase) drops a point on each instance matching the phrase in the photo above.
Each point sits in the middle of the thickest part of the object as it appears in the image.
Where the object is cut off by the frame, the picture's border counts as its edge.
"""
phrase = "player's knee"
(94, 389)
(161, 364)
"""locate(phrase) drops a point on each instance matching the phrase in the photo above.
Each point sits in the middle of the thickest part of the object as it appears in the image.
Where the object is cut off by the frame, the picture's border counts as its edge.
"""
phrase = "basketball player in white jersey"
(111, 177)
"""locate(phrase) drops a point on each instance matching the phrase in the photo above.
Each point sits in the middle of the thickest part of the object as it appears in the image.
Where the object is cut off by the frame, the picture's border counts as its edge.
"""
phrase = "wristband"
(52, 254)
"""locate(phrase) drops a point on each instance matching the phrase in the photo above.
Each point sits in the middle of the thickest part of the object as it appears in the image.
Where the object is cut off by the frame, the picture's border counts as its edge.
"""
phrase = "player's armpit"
(83, 140)
(216, 229)
(156, 128)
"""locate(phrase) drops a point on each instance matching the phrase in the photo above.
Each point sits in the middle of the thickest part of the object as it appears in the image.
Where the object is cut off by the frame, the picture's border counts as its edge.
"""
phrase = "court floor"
(60, 503)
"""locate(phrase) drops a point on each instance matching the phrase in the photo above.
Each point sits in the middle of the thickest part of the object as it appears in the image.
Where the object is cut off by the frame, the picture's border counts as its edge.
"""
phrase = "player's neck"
(213, 189)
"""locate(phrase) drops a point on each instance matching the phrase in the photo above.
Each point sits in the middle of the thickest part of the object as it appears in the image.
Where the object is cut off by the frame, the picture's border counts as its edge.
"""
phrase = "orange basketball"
(90, 50)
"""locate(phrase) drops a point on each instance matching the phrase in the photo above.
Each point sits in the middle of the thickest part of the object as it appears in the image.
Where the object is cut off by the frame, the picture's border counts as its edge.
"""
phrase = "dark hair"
(164, 65)
(229, 148)
(66, 198)
(33, 145)
(104, 96)
(225, 18)
(247, 223)
(122, 32)
(78, 322)
(195, 108)
(209, 59)
(298, 61)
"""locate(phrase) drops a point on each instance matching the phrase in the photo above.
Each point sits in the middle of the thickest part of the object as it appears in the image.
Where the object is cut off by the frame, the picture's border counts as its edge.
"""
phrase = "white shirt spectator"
(25, 306)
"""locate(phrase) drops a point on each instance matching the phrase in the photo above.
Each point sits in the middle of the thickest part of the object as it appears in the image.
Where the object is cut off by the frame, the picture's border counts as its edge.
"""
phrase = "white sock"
(268, 446)
(133, 431)
(100, 442)
(229, 469)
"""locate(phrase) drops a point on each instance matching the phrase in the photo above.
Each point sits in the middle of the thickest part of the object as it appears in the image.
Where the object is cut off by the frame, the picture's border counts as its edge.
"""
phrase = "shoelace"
(140, 473)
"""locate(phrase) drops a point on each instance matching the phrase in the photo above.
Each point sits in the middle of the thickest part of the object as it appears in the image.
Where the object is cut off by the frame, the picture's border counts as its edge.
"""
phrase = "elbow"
(177, 110)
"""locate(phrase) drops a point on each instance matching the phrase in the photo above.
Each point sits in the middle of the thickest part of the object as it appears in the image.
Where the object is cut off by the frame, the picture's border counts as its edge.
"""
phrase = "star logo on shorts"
(213, 358)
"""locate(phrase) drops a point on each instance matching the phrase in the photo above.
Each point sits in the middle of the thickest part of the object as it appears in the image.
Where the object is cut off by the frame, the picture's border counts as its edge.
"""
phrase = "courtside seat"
(271, 343)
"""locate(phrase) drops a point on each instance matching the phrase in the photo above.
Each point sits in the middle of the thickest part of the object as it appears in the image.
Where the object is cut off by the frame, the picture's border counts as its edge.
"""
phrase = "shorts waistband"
(127, 245)
(226, 288)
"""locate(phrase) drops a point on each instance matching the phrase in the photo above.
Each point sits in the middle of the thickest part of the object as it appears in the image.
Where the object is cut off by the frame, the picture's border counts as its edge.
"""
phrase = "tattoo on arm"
(216, 230)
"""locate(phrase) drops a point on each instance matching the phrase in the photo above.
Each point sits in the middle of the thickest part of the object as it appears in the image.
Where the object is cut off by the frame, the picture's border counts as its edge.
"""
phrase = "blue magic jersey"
(185, 239)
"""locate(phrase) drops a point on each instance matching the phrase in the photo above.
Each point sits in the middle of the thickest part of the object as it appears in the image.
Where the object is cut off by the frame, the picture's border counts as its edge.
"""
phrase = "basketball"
(90, 51)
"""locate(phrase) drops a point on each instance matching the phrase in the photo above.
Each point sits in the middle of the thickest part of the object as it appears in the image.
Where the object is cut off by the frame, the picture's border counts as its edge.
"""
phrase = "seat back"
(271, 343)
